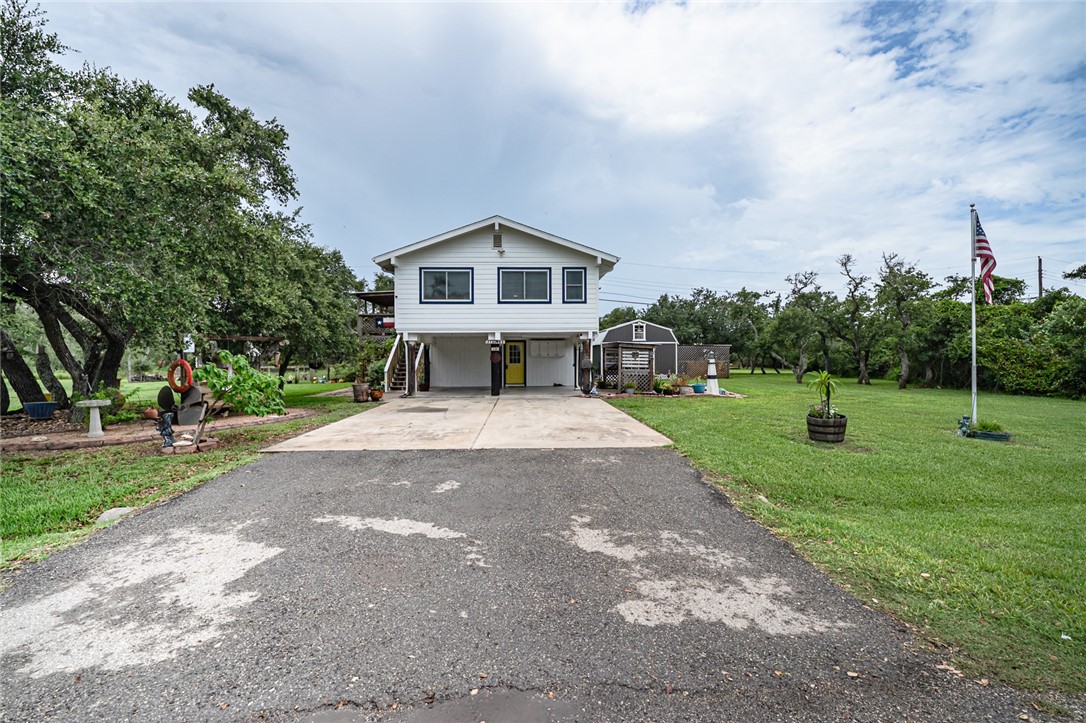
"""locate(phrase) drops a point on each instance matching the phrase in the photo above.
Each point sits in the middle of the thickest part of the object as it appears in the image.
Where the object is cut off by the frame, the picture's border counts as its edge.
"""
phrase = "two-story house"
(495, 286)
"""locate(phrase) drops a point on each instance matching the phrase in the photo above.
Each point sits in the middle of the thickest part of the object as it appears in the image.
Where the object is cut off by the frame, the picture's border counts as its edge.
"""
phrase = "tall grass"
(982, 545)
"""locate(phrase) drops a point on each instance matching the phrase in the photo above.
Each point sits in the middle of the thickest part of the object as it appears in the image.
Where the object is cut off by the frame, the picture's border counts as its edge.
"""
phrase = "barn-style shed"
(660, 338)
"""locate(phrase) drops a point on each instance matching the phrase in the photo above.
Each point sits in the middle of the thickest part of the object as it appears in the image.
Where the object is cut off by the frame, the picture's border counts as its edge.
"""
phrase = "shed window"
(447, 285)
(524, 285)
(639, 331)
(573, 291)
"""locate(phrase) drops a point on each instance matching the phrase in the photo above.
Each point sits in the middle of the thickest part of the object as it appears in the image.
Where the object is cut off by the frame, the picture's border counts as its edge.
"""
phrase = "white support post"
(973, 307)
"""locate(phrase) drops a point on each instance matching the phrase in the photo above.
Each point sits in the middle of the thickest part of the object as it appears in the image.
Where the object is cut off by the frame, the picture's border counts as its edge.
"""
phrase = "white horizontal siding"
(460, 361)
(464, 361)
(485, 315)
(546, 371)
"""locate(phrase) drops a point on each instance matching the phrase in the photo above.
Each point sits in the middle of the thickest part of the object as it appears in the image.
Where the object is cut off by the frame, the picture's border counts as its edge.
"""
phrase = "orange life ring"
(186, 382)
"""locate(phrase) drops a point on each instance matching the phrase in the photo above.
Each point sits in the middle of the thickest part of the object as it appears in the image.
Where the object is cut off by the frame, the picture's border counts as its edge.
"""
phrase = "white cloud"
(766, 138)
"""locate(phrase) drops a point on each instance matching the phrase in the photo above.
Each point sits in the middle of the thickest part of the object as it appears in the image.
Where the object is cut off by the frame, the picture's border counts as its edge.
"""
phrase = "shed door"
(514, 363)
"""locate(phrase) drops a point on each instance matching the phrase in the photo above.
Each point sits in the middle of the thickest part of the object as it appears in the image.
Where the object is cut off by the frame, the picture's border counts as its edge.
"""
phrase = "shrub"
(375, 374)
(247, 390)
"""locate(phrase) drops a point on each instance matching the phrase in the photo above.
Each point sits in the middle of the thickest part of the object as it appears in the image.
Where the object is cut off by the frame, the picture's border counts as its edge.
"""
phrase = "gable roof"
(649, 327)
(606, 261)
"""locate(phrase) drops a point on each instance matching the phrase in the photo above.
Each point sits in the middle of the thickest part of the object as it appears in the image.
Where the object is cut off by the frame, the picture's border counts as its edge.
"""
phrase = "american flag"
(983, 251)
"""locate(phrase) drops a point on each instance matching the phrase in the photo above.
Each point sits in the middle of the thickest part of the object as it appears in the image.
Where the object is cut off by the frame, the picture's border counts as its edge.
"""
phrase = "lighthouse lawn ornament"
(711, 386)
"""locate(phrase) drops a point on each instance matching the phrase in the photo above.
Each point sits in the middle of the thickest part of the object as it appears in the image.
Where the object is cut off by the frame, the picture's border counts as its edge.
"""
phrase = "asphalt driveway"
(577, 584)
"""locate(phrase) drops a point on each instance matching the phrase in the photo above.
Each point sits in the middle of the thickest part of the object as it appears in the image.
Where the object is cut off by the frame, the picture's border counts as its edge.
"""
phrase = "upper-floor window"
(446, 285)
(573, 286)
(524, 285)
(639, 331)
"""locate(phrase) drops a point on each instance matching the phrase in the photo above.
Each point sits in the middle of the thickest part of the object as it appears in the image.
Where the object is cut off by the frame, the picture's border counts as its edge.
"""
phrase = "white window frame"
(639, 331)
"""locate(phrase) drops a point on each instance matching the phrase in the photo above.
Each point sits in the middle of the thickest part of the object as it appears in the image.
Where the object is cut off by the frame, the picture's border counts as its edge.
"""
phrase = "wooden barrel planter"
(826, 430)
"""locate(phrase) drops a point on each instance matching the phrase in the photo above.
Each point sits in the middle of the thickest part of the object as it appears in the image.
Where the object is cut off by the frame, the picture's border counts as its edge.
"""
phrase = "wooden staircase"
(398, 380)
(403, 367)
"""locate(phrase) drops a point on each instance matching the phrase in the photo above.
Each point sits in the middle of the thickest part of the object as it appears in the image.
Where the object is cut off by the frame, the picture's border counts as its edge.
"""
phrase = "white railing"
(418, 365)
(391, 362)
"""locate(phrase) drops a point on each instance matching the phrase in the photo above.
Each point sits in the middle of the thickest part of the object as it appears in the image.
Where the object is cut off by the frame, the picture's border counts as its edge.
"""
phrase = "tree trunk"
(861, 360)
(929, 374)
(5, 401)
(49, 379)
(18, 373)
(107, 370)
(284, 365)
(103, 351)
(284, 361)
(798, 369)
(903, 377)
(51, 324)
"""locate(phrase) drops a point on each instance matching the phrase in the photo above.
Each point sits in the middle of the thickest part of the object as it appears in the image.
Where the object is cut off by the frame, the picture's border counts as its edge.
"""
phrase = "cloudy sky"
(707, 144)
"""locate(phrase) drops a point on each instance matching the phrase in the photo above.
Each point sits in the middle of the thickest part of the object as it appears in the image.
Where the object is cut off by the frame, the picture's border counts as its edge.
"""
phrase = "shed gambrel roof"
(654, 333)
(606, 261)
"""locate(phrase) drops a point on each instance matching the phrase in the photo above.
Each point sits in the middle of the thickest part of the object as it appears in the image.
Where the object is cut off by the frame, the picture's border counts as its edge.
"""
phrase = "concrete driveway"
(548, 418)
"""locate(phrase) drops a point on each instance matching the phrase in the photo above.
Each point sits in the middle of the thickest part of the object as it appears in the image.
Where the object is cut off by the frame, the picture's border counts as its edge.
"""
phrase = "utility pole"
(1040, 277)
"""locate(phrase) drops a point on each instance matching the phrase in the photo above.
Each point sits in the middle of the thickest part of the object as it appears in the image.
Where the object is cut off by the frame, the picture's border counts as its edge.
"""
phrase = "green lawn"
(981, 545)
(49, 500)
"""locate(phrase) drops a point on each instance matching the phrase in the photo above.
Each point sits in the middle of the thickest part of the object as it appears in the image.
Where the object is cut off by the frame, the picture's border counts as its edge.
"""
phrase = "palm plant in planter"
(824, 422)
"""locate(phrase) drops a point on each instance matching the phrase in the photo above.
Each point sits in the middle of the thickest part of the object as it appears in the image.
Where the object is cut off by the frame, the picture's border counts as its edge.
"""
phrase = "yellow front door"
(514, 363)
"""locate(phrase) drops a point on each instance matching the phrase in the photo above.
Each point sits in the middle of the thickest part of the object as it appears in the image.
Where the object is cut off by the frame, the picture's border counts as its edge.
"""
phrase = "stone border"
(114, 436)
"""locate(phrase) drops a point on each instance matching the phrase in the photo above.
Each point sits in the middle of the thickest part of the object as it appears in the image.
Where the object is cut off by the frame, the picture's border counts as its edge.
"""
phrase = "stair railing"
(392, 361)
(418, 364)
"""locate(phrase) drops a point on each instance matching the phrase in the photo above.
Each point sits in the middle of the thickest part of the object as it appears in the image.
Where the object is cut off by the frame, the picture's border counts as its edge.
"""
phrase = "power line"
(699, 268)
(624, 301)
(632, 296)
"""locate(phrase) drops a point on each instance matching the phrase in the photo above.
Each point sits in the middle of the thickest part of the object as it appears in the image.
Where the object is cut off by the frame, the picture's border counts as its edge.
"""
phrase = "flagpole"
(973, 304)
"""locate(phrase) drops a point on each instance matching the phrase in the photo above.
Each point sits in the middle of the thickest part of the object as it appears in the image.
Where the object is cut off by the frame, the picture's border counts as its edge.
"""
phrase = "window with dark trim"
(573, 286)
(520, 286)
(439, 286)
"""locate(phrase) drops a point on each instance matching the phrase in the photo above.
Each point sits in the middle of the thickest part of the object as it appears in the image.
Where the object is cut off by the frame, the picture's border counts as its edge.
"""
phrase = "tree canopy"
(900, 326)
(126, 217)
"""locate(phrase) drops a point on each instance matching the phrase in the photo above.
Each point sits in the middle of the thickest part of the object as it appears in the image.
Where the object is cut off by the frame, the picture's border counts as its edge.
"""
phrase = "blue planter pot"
(698, 388)
(40, 410)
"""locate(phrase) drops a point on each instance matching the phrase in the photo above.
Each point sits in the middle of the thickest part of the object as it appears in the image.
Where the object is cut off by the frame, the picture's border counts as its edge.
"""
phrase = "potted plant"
(698, 385)
(375, 376)
(684, 386)
(824, 422)
(630, 387)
